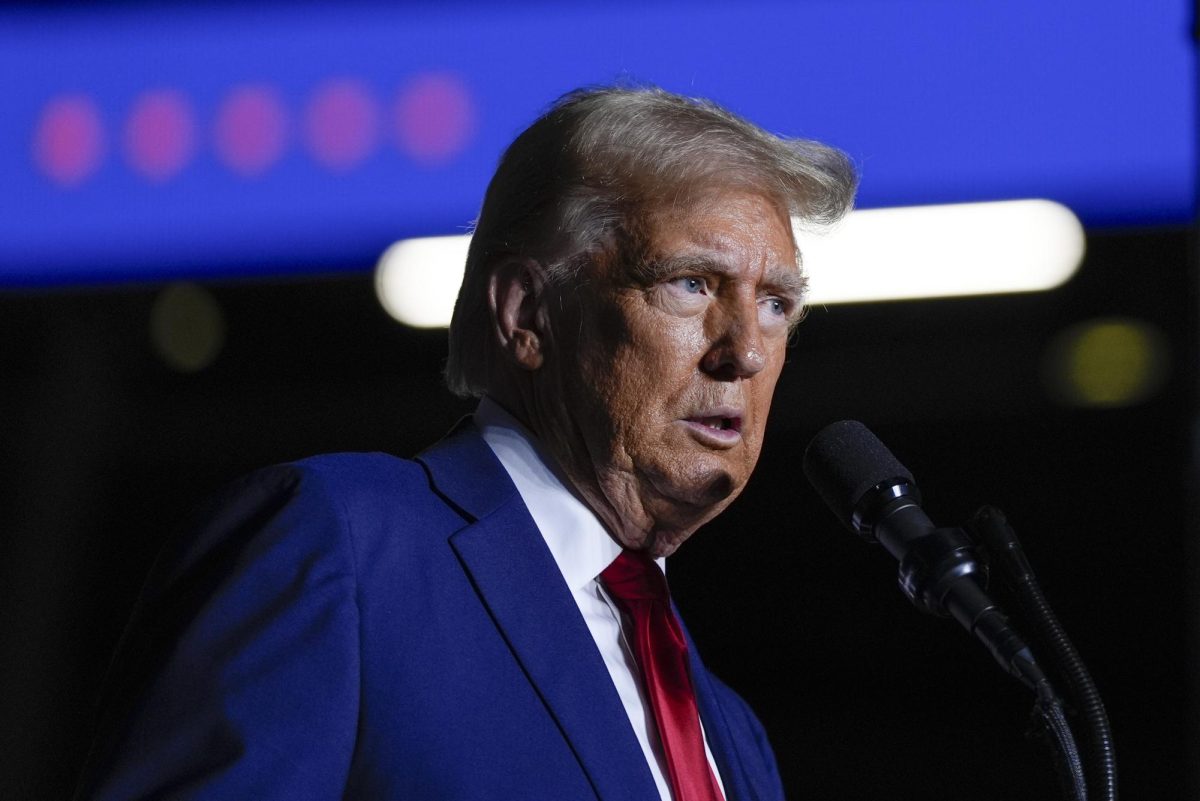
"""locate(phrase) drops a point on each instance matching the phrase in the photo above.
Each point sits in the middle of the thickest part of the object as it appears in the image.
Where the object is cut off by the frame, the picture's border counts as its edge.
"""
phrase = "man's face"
(665, 369)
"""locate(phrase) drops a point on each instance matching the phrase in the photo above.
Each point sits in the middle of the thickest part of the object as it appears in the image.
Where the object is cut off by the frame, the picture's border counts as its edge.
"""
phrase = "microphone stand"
(1099, 770)
(872, 493)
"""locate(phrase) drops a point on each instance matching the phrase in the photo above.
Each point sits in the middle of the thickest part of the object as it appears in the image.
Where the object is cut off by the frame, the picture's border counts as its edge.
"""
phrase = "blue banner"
(140, 142)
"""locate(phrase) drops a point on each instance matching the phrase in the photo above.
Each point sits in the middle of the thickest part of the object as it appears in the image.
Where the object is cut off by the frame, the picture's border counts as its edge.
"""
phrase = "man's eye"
(776, 306)
(690, 284)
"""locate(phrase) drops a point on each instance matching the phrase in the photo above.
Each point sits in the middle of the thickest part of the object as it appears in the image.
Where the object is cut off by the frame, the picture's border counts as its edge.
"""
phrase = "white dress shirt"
(581, 548)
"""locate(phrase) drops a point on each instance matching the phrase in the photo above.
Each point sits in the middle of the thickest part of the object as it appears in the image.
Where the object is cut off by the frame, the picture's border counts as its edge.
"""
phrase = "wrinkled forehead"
(744, 215)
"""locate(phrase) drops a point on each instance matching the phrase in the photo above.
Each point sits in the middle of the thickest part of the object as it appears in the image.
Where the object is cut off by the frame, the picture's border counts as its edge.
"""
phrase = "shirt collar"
(577, 540)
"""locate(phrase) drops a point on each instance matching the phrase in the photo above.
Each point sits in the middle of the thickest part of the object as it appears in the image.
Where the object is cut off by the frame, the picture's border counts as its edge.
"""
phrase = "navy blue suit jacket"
(361, 626)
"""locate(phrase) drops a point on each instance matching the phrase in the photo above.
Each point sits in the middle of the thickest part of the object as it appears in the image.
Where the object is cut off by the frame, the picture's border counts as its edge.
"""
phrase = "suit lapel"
(517, 579)
(717, 732)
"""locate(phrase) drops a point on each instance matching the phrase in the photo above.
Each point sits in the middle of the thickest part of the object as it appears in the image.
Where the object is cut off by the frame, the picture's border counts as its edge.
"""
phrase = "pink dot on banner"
(341, 124)
(434, 118)
(160, 134)
(251, 129)
(68, 143)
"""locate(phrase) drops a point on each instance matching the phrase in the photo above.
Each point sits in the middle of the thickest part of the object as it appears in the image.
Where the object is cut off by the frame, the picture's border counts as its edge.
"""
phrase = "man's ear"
(516, 295)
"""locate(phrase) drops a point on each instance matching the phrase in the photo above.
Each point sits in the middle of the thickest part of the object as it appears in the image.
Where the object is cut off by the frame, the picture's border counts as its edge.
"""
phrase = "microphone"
(877, 498)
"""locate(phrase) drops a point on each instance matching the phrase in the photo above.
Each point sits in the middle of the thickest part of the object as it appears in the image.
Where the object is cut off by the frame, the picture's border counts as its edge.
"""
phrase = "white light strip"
(872, 255)
(943, 251)
(417, 280)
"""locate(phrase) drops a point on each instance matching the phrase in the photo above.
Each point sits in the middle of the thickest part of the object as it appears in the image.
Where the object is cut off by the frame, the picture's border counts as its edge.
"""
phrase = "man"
(490, 619)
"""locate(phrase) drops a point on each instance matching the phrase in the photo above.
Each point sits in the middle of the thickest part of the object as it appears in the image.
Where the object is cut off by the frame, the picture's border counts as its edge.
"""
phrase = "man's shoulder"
(354, 472)
(340, 510)
(354, 485)
(325, 477)
(460, 456)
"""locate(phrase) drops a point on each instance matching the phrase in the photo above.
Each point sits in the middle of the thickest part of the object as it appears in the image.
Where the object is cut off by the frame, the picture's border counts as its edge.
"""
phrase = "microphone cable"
(1000, 543)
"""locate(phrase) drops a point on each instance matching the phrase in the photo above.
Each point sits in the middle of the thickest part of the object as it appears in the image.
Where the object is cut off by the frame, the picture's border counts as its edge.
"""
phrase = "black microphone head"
(846, 463)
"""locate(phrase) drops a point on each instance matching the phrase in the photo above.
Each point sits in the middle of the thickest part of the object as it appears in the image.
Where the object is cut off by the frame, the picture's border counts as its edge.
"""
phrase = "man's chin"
(660, 542)
(693, 499)
(664, 544)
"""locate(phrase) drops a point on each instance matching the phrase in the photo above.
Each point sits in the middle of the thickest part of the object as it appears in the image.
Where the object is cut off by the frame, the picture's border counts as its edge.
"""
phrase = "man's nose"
(737, 351)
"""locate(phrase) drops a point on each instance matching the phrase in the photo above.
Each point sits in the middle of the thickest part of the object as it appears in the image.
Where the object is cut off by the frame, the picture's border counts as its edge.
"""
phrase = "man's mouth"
(719, 423)
(717, 427)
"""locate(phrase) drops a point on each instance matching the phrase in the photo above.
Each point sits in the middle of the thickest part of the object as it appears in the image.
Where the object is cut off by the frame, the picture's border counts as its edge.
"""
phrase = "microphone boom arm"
(941, 573)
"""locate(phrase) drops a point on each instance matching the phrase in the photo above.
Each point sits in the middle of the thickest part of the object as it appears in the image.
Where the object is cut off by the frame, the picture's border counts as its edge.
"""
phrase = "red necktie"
(640, 589)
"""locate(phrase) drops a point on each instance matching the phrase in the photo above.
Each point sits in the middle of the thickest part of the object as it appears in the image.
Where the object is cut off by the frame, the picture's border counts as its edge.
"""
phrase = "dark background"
(104, 449)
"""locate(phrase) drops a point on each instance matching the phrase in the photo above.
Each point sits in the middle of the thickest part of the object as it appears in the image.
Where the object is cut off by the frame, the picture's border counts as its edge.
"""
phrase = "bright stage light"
(943, 251)
(872, 255)
(417, 280)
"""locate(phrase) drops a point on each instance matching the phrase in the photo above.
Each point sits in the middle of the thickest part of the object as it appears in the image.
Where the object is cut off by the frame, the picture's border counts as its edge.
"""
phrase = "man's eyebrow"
(656, 270)
(790, 281)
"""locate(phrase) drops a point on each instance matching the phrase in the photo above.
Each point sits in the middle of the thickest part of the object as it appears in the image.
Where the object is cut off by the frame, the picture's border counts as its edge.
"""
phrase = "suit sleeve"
(239, 674)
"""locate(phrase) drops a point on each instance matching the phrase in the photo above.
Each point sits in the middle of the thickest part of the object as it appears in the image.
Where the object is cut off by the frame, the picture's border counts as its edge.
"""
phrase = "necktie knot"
(634, 576)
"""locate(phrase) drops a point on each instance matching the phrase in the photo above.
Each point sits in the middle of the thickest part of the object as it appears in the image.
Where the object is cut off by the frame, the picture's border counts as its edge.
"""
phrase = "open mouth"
(720, 423)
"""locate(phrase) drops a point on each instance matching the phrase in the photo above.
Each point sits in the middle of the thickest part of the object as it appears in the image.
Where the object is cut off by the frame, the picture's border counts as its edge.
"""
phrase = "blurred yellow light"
(876, 254)
(1107, 363)
(187, 328)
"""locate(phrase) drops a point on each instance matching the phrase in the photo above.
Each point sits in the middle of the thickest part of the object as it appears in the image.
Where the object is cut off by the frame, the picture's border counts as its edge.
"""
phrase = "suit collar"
(515, 576)
(579, 542)
(465, 472)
